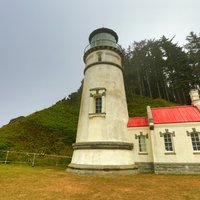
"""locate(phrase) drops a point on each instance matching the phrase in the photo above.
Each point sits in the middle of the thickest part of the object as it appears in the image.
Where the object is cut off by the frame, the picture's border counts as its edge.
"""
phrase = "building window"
(142, 142)
(98, 105)
(195, 141)
(168, 142)
(195, 138)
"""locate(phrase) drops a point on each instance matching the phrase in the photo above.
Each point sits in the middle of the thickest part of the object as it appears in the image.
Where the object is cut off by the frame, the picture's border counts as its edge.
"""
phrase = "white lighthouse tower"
(102, 144)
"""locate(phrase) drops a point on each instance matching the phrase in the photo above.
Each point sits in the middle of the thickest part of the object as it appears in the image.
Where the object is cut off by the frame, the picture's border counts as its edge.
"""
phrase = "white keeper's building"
(167, 140)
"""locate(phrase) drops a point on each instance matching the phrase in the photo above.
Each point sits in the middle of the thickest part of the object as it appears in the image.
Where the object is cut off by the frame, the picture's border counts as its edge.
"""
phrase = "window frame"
(97, 93)
(142, 144)
(195, 143)
(168, 141)
(141, 150)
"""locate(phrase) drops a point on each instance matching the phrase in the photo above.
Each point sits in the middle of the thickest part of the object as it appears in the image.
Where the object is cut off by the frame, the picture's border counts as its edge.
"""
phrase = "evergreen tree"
(193, 50)
(162, 69)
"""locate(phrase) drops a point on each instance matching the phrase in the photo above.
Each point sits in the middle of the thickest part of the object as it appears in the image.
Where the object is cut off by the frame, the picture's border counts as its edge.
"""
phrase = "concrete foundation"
(177, 168)
(103, 169)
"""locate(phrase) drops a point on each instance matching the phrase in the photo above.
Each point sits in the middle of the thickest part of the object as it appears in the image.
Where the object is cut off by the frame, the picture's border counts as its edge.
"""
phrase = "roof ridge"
(137, 117)
(173, 107)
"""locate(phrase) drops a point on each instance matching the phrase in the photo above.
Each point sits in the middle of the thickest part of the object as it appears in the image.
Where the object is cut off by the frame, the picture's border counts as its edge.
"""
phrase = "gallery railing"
(102, 43)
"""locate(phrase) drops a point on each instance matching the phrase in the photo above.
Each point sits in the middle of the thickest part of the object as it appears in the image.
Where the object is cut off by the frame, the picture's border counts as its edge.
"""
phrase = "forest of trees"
(162, 68)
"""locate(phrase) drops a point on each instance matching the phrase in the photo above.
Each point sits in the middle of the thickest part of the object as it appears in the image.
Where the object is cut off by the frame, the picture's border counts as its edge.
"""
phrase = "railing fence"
(32, 159)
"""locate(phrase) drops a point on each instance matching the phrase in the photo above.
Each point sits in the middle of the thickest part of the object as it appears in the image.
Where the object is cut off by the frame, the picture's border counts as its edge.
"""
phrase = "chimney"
(194, 96)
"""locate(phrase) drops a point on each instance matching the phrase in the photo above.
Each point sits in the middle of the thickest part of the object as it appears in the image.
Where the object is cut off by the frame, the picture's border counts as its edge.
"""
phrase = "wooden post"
(6, 157)
(33, 162)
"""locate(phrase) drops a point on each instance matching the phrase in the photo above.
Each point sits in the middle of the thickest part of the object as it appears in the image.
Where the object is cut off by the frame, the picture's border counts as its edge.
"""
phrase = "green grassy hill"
(53, 130)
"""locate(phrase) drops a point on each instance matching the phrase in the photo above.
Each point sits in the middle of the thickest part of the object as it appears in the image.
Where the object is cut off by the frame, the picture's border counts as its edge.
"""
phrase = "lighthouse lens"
(103, 39)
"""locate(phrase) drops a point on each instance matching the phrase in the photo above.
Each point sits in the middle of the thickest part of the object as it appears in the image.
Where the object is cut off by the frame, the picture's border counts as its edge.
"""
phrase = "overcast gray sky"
(42, 42)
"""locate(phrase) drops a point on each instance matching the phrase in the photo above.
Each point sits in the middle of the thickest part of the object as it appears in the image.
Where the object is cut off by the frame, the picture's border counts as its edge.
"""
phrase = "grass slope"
(53, 130)
(137, 104)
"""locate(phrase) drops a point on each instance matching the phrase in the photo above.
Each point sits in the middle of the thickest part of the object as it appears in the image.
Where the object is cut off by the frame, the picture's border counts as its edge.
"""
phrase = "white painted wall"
(112, 126)
(182, 144)
(139, 157)
(183, 150)
(102, 157)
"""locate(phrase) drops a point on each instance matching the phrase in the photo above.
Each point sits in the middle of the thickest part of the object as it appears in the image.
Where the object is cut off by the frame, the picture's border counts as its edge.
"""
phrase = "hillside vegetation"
(53, 130)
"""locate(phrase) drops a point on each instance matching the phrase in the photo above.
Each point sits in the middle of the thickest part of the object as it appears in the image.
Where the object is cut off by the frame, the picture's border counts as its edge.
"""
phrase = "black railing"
(101, 43)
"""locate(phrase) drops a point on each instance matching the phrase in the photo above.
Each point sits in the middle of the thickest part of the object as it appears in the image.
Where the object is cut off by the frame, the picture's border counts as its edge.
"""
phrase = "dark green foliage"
(162, 69)
(5, 145)
(193, 53)
(137, 104)
(16, 119)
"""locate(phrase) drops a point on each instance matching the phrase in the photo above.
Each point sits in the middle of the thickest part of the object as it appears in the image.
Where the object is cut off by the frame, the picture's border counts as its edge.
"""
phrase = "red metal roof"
(176, 114)
(166, 115)
(137, 122)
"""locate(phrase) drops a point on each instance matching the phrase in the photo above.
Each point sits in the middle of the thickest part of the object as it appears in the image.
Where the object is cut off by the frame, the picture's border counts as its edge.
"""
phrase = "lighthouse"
(102, 144)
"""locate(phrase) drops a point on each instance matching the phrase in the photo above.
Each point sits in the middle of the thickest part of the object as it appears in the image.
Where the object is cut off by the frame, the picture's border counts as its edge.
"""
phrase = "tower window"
(99, 56)
(98, 105)
(97, 102)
